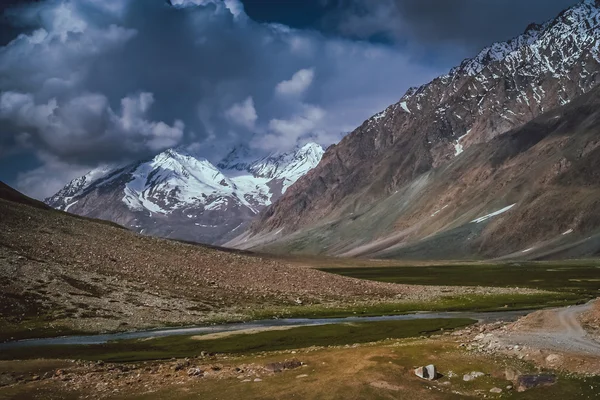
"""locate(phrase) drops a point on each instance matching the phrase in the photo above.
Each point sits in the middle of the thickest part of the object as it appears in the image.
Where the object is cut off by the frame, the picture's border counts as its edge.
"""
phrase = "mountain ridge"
(431, 127)
(177, 195)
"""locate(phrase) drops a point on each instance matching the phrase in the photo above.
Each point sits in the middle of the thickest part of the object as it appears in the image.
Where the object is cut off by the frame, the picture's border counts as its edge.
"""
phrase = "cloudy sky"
(91, 82)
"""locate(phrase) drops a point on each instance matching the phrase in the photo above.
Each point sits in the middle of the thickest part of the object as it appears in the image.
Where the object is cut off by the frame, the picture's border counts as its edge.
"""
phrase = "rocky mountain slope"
(176, 195)
(444, 149)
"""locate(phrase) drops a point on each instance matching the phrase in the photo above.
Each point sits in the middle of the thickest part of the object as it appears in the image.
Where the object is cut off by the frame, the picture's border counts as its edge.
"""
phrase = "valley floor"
(383, 369)
(63, 275)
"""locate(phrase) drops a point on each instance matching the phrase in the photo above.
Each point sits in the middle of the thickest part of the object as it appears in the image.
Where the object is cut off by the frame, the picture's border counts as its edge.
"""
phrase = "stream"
(506, 316)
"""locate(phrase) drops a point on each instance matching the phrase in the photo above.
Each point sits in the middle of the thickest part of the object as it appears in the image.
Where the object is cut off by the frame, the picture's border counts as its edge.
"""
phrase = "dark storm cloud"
(102, 81)
(440, 25)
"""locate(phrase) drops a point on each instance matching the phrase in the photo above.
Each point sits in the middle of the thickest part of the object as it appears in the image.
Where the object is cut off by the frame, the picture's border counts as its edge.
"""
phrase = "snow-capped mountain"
(285, 167)
(177, 195)
(393, 164)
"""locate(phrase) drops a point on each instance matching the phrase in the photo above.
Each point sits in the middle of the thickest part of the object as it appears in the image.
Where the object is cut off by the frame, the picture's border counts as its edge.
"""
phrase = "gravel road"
(560, 330)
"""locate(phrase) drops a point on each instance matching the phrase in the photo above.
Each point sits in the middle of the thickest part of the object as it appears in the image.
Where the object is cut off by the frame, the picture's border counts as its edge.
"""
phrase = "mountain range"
(494, 159)
(497, 158)
(177, 195)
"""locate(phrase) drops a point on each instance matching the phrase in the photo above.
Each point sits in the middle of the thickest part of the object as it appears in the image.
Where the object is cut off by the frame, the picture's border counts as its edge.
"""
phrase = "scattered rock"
(280, 366)
(496, 390)
(6, 379)
(257, 380)
(526, 382)
(471, 376)
(292, 364)
(429, 372)
(179, 366)
(511, 374)
(274, 367)
(554, 359)
(195, 372)
(302, 376)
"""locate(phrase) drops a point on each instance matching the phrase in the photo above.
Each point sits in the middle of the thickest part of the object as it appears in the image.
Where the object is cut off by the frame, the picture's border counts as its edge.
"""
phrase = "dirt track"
(559, 329)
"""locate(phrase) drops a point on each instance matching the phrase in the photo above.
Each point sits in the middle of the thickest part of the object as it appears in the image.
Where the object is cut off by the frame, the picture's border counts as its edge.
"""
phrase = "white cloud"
(48, 179)
(101, 81)
(87, 121)
(300, 81)
(285, 133)
(235, 7)
(243, 114)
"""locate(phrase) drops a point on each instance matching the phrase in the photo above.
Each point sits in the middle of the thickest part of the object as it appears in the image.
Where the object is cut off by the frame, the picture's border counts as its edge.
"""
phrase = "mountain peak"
(192, 198)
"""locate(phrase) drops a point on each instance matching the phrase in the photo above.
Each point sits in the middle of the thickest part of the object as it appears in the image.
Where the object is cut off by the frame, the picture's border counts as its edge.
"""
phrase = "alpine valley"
(448, 248)
(176, 195)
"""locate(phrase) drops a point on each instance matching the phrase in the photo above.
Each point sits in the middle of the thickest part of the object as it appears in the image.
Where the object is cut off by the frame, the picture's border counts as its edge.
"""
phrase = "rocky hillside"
(397, 155)
(176, 195)
(61, 273)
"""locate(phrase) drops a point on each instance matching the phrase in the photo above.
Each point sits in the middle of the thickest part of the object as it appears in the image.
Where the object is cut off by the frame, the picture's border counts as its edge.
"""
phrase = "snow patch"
(495, 213)
(459, 147)
(70, 205)
(439, 211)
(405, 107)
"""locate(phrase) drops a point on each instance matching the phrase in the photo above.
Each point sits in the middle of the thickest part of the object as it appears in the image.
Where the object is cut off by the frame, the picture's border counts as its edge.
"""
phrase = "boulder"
(554, 360)
(428, 372)
(274, 367)
(292, 364)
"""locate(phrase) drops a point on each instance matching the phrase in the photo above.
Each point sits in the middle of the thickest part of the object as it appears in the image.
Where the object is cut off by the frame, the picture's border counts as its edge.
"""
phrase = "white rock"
(472, 376)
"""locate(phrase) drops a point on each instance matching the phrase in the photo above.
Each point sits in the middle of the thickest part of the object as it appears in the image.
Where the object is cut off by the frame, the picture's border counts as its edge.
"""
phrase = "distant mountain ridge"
(429, 131)
(177, 195)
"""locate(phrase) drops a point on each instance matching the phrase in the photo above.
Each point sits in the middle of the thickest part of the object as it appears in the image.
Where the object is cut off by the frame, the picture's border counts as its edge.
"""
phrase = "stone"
(291, 364)
(257, 380)
(471, 376)
(511, 374)
(526, 382)
(301, 376)
(274, 367)
(428, 372)
(496, 390)
(6, 379)
(179, 366)
(553, 359)
(195, 372)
